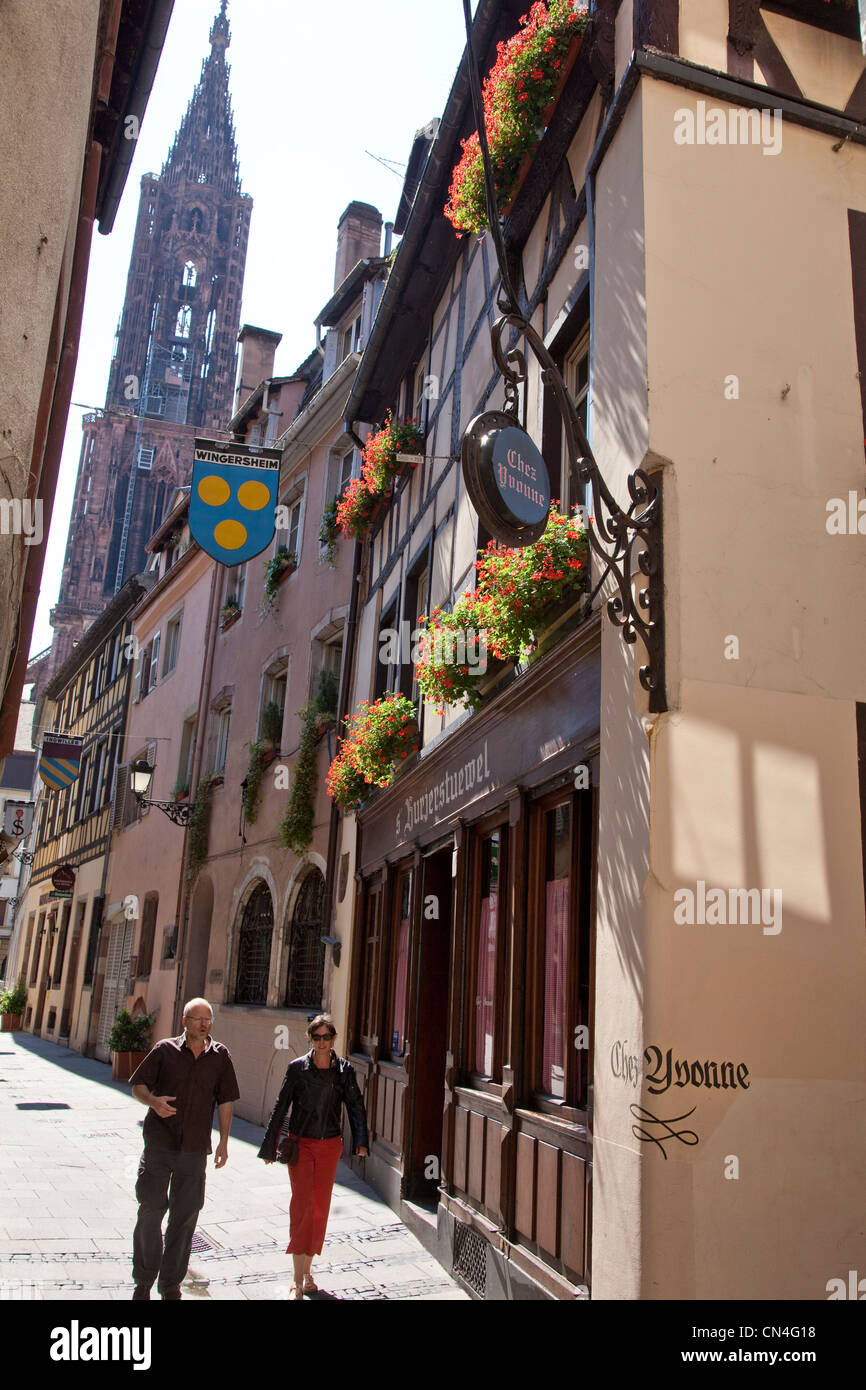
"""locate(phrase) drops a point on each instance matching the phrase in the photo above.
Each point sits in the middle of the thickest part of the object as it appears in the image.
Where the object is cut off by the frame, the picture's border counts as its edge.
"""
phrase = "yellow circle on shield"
(231, 535)
(214, 491)
(254, 496)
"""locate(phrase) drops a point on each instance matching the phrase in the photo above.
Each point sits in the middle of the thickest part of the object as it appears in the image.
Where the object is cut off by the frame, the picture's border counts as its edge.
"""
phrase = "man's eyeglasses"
(322, 1037)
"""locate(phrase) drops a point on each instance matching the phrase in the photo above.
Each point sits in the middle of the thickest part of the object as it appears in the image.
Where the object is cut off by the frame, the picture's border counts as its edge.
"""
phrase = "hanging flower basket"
(519, 594)
(520, 93)
(380, 737)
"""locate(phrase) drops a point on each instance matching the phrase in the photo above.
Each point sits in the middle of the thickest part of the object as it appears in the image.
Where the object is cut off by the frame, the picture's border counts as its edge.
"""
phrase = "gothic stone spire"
(204, 149)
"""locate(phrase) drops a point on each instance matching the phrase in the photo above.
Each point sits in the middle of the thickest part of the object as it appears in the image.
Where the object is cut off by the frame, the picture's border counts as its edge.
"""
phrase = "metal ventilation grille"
(201, 1243)
(470, 1258)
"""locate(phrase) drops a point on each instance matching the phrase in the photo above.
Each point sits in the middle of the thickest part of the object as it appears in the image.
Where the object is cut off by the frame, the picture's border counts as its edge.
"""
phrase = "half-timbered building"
(572, 1085)
(63, 953)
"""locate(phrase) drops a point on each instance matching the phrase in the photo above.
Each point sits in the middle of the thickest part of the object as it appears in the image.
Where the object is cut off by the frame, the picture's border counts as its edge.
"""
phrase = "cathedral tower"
(172, 373)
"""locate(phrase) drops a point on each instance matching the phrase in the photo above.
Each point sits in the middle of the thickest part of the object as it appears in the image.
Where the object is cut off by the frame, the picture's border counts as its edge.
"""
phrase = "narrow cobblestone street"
(70, 1152)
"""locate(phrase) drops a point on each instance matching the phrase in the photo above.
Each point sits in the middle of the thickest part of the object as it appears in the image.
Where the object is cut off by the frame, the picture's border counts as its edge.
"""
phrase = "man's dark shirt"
(197, 1083)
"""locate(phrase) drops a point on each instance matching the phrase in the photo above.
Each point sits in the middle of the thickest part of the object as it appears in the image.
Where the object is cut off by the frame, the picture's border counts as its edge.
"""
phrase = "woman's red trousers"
(312, 1179)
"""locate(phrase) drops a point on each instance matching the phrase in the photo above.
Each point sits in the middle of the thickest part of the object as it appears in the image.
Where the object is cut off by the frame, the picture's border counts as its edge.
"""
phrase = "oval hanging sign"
(506, 478)
(64, 878)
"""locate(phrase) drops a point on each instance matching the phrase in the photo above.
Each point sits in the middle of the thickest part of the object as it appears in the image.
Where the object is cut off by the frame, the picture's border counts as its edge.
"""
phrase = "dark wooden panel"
(493, 1168)
(397, 1123)
(547, 1199)
(381, 1103)
(573, 1208)
(475, 1186)
(524, 1212)
(461, 1145)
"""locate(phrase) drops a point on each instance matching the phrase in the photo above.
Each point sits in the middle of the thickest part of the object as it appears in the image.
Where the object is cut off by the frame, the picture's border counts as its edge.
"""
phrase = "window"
(292, 536)
(96, 790)
(172, 644)
(274, 689)
(418, 405)
(148, 668)
(345, 472)
(486, 952)
(254, 948)
(387, 653)
(368, 1022)
(81, 787)
(400, 966)
(224, 719)
(576, 373)
(557, 996)
(415, 603)
(236, 583)
(187, 744)
(350, 339)
(306, 948)
(148, 933)
(184, 321)
(190, 275)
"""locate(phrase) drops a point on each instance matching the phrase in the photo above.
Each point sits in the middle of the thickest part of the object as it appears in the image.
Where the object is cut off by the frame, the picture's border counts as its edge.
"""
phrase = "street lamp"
(140, 774)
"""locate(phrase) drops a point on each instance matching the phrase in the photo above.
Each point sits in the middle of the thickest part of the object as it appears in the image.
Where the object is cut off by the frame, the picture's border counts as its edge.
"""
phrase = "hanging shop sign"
(506, 478)
(18, 818)
(233, 499)
(63, 878)
(59, 760)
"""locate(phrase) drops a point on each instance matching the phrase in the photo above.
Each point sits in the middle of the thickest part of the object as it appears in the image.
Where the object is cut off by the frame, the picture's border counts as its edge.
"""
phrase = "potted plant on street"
(12, 1005)
(128, 1042)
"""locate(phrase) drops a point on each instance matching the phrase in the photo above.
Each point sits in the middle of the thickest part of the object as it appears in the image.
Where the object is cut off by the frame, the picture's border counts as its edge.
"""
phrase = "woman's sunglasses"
(322, 1037)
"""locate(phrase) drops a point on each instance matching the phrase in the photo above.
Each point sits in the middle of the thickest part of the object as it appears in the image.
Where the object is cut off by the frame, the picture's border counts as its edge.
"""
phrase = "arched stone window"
(190, 274)
(254, 948)
(306, 948)
(184, 319)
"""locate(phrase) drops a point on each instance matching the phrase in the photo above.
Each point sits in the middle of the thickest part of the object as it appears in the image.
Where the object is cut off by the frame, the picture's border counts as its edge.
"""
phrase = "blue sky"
(313, 87)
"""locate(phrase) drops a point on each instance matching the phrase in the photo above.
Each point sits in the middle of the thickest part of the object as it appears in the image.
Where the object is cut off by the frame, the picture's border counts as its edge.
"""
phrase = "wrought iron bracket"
(26, 856)
(626, 544)
(177, 811)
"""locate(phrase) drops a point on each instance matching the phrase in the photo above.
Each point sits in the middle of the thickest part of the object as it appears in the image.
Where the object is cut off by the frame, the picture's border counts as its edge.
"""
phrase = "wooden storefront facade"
(473, 980)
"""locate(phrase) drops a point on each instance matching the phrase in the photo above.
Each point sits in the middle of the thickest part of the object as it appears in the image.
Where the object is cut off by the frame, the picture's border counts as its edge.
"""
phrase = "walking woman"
(316, 1086)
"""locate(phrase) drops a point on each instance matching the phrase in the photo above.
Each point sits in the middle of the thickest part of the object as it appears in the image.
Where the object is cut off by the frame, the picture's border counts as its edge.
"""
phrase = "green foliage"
(252, 783)
(180, 788)
(275, 568)
(296, 827)
(327, 690)
(329, 531)
(229, 608)
(272, 723)
(199, 821)
(130, 1034)
(13, 1001)
(379, 737)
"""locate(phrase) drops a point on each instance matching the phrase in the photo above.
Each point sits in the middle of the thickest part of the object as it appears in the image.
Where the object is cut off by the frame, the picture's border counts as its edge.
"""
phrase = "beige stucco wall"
(48, 56)
(753, 780)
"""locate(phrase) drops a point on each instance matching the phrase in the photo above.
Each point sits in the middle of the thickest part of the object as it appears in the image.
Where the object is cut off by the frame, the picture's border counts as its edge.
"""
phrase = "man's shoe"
(170, 1294)
(141, 1293)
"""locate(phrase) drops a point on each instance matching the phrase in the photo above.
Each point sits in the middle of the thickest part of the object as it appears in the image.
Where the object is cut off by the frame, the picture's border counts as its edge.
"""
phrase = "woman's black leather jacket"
(317, 1096)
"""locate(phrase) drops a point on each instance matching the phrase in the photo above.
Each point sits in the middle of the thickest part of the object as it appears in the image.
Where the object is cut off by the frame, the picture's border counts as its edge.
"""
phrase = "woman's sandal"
(310, 1285)
(296, 1291)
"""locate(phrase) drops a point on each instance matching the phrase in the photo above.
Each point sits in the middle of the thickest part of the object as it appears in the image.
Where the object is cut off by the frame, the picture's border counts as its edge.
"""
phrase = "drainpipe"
(199, 745)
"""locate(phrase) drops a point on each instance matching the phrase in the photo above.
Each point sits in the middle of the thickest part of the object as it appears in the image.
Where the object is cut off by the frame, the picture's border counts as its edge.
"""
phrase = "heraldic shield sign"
(59, 760)
(233, 499)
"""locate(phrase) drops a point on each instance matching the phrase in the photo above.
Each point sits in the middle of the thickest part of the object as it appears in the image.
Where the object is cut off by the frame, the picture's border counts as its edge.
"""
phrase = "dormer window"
(350, 339)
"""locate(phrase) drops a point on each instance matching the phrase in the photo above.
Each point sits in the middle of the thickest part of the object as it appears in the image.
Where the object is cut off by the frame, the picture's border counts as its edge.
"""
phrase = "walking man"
(180, 1081)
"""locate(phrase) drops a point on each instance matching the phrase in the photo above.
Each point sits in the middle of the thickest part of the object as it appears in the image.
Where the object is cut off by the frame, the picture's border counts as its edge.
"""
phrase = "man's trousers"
(168, 1181)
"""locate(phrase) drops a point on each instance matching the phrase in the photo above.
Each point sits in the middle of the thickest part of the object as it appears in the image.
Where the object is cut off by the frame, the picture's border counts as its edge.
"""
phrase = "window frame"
(481, 832)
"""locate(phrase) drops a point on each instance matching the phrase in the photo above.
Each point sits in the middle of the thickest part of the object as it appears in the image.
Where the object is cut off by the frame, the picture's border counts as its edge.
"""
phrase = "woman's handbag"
(288, 1150)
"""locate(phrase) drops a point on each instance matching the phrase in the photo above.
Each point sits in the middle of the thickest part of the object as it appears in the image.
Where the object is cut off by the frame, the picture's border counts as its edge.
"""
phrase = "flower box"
(520, 93)
(380, 737)
(284, 574)
(229, 620)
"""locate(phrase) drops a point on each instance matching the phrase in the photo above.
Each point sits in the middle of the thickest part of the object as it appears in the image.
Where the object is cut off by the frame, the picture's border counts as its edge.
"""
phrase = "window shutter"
(121, 791)
(136, 679)
(154, 662)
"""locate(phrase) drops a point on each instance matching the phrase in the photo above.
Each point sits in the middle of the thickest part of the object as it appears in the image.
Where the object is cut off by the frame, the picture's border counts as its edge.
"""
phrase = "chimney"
(258, 348)
(359, 236)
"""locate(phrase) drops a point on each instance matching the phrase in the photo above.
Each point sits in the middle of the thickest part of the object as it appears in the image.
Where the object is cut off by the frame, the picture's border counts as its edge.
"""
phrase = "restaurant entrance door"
(421, 1179)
